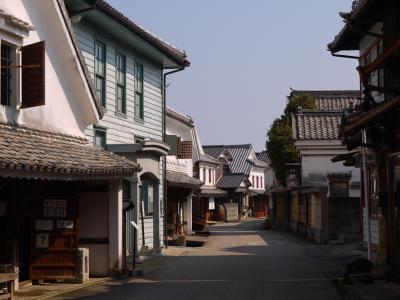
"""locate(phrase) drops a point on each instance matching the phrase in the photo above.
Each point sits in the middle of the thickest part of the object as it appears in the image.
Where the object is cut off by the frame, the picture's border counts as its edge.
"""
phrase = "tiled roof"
(240, 163)
(231, 181)
(316, 125)
(335, 100)
(177, 179)
(214, 151)
(173, 52)
(263, 156)
(240, 154)
(27, 149)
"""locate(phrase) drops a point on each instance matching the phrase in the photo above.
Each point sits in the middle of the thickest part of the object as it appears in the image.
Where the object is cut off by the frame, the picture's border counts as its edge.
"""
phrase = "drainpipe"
(366, 190)
(165, 158)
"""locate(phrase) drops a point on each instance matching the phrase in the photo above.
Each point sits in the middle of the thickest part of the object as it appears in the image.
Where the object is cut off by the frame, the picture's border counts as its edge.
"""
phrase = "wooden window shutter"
(33, 78)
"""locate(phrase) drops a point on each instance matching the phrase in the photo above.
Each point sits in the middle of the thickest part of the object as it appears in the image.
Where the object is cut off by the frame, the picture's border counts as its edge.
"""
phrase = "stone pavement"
(239, 261)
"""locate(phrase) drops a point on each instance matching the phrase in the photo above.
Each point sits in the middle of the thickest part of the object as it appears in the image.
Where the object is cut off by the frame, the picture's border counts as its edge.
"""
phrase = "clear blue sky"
(245, 55)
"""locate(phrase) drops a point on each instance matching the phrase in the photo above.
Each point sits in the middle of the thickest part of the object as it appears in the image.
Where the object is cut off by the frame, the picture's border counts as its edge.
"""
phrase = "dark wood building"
(373, 29)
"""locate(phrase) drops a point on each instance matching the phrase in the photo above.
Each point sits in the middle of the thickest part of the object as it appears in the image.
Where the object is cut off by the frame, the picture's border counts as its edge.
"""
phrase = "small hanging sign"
(42, 240)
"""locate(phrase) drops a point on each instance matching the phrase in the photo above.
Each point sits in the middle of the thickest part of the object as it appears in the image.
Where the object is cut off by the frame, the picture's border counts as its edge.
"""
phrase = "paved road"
(239, 261)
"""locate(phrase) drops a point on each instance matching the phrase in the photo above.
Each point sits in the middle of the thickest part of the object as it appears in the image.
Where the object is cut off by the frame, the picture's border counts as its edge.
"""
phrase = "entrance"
(54, 240)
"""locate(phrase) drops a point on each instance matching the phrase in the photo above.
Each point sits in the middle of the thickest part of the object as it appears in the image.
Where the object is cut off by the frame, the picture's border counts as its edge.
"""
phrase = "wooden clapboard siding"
(120, 129)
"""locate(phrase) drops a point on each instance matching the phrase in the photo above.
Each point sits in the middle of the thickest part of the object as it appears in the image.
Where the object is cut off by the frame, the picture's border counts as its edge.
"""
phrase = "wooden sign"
(44, 225)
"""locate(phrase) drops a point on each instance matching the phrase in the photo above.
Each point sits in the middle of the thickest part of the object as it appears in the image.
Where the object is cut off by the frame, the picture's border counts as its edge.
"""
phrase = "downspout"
(165, 158)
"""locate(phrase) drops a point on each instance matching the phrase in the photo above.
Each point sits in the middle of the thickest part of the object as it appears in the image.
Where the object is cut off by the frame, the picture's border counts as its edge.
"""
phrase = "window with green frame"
(147, 190)
(120, 62)
(100, 70)
(139, 105)
(100, 137)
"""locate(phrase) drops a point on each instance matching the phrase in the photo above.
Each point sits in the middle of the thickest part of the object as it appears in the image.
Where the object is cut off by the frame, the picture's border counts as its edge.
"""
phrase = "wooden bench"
(8, 278)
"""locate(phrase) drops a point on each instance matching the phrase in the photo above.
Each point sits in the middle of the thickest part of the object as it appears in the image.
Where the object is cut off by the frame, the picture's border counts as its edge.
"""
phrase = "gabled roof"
(164, 47)
(241, 161)
(232, 181)
(316, 125)
(57, 156)
(333, 100)
(263, 156)
(214, 151)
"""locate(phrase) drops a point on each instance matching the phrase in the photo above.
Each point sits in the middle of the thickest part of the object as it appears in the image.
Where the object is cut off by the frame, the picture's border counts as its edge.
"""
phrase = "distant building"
(243, 178)
(325, 198)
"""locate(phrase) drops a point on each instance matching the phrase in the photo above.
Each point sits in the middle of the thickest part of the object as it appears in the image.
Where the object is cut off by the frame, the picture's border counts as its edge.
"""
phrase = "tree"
(280, 142)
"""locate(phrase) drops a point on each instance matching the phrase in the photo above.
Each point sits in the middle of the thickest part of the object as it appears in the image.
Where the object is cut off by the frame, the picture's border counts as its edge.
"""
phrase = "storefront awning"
(177, 179)
(31, 153)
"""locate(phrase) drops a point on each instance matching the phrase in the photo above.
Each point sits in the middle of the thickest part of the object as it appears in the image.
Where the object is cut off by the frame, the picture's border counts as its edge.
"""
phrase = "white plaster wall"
(68, 108)
(316, 167)
(260, 173)
(206, 180)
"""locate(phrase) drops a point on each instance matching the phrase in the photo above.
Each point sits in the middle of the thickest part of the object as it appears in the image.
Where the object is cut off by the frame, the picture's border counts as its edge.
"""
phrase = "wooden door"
(55, 240)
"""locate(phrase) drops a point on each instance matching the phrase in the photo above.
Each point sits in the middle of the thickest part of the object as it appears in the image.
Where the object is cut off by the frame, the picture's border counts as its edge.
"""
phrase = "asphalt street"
(239, 261)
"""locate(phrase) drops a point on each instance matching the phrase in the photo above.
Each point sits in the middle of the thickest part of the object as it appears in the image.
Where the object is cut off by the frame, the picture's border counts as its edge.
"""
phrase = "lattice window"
(185, 149)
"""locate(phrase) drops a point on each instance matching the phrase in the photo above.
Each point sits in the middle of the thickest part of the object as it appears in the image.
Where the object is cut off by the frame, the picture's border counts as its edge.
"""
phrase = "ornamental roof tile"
(58, 155)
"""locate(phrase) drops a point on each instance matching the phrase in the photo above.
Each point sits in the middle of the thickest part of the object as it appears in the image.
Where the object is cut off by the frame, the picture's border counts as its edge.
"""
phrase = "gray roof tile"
(177, 179)
(316, 125)
(28, 149)
(231, 181)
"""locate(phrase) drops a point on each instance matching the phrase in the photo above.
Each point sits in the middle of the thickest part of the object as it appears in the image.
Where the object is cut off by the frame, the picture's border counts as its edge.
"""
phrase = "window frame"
(145, 197)
(139, 93)
(96, 71)
(120, 84)
(103, 131)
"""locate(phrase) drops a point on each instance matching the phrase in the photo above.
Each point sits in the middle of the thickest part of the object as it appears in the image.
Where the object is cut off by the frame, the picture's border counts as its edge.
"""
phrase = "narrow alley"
(239, 261)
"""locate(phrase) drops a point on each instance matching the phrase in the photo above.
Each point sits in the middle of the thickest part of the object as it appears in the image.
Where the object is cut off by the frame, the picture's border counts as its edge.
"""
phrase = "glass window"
(209, 175)
(100, 70)
(147, 191)
(139, 105)
(204, 175)
(100, 138)
(121, 79)
(6, 75)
